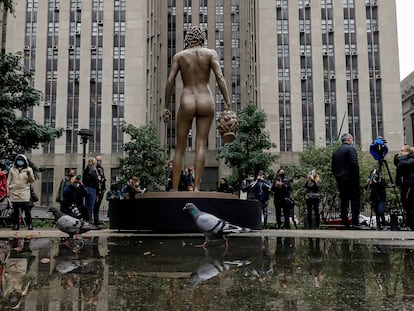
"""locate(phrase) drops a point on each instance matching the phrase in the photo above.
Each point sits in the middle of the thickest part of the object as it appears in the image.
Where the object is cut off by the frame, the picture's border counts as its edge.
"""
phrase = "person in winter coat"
(247, 187)
(63, 183)
(378, 196)
(91, 182)
(281, 188)
(345, 168)
(224, 186)
(405, 179)
(3, 182)
(261, 188)
(73, 198)
(19, 180)
(312, 199)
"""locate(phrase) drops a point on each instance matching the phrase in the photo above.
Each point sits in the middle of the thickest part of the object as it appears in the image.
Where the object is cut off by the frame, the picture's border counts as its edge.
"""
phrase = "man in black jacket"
(345, 168)
(405, 179)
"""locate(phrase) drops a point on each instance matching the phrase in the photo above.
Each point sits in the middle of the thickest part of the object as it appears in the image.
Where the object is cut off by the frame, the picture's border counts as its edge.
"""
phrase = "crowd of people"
(345, 169)
(78, 195)
(81, 195)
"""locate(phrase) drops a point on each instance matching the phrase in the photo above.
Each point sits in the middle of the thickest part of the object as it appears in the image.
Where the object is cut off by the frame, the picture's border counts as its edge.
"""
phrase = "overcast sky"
(405, 21)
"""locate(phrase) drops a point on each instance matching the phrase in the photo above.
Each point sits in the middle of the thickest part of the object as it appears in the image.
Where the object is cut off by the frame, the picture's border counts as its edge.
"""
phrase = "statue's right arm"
(215, 65)
(170, 81)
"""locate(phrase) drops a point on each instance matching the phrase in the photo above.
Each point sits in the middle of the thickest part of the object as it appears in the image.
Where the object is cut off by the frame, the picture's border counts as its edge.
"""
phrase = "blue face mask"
(19, 163)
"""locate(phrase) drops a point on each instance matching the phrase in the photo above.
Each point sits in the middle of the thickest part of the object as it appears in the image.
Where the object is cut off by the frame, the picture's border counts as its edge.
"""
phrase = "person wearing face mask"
(19, 180)
(345, 169)
(261, 188)
(281, 189)
(246, 187)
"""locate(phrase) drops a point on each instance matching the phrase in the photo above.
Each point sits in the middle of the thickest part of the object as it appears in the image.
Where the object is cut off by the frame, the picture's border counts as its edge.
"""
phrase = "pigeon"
(71, 225)
(211, 268)
(211, 225)
(69, 265)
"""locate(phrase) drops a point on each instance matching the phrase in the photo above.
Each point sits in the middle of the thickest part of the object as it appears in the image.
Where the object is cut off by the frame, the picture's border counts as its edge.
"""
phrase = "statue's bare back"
(195, 64)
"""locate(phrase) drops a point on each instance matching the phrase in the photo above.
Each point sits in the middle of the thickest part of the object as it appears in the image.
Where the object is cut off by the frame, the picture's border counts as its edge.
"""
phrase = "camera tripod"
(393, 215)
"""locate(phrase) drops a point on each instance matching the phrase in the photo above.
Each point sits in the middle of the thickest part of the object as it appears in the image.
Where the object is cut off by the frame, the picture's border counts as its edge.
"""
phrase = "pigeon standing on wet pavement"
(71, 225)
(211, 225)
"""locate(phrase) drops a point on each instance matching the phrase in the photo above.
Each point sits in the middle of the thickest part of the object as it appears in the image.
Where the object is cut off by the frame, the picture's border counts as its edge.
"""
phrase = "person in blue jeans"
(261, 188)
(91, 182)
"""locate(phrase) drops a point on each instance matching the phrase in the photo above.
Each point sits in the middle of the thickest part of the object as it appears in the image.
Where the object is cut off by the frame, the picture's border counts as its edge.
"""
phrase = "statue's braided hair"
(195, 36)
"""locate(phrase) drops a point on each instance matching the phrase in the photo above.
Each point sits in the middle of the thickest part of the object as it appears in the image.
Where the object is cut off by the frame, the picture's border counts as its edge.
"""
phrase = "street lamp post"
(84, 134)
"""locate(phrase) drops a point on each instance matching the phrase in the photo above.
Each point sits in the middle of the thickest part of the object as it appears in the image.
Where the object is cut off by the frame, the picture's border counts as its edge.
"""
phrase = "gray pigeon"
(69, 224)
(211, 225)
(212, 268)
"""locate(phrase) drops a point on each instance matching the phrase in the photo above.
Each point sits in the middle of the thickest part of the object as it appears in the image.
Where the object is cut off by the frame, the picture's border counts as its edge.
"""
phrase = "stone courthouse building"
(317, 68)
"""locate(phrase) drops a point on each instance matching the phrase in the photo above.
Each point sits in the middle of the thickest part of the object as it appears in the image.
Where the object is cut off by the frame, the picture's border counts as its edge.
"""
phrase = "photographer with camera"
(377, 196)
(261, 188)
(345, 168)
(73, 198)
(132, 188)
(312, 198)
(405, 179)
(281, 189)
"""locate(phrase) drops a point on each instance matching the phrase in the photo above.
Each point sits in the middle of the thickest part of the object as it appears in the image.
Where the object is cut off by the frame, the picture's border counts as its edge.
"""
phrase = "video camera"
(378, 149)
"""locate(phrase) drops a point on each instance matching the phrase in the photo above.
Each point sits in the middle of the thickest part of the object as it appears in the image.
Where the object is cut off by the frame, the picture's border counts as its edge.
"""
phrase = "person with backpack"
(63, 183)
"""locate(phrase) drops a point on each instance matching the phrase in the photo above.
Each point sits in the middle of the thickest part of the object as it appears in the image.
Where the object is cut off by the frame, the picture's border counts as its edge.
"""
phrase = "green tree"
(145, 157)
(19, 133)
(250, 151)
(8, 5)
(319, 158)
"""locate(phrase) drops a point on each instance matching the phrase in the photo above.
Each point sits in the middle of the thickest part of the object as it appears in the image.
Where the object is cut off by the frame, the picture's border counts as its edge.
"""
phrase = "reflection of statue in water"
(195, 64)
(15, 272)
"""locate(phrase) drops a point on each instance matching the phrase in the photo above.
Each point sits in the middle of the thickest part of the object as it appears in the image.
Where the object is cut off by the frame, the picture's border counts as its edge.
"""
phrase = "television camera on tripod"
(379, 149)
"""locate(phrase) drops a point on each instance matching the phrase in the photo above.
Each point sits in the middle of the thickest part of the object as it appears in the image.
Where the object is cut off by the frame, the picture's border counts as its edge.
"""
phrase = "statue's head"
(195, 36)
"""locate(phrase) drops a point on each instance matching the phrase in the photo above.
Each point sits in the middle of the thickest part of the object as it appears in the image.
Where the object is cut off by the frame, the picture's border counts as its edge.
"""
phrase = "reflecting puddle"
(176, 274)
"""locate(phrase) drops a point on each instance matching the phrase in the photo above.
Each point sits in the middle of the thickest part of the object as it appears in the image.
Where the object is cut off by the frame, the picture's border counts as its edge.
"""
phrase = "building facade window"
(374, 69)
(351, 62)
(29, 60)
(329, 72)
(47, 197)
(219, 47)
(118, 85)
(72, 120)
(49, 108)
(95, 85)
(283, 59)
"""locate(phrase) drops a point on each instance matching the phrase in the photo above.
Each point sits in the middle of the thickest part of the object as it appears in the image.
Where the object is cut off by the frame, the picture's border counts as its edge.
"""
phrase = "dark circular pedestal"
(163, 211)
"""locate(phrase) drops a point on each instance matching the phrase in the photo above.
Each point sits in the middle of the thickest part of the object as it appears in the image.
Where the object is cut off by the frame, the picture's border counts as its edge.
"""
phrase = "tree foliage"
(145, 157)
(8, 5)
(319, 158)
(19, 133)
(249, 152)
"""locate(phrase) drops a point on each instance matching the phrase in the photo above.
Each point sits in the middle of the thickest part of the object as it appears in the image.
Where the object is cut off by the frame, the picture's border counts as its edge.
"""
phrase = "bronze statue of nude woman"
(196, 101)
